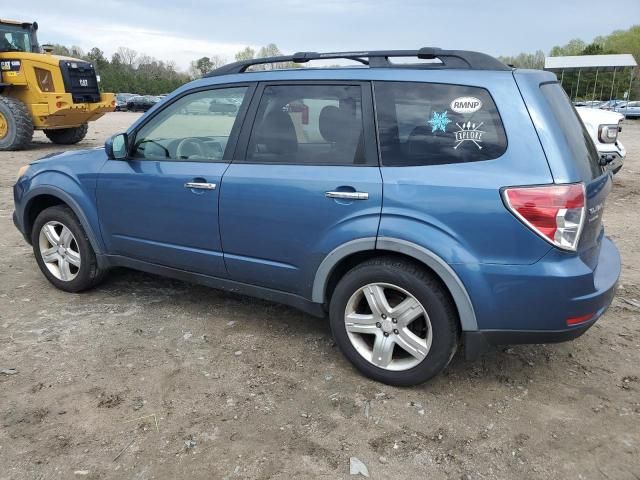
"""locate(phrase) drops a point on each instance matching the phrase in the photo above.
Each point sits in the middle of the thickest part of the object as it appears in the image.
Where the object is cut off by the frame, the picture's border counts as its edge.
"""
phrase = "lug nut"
(384, 316)
(394, 320)
(386, 334)
(395, 330)
(379, 325)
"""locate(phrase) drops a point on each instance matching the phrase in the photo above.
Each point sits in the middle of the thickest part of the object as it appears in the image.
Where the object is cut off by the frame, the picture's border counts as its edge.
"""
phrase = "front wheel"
(394, 321)
(63, 251)
(67, 136)
(16, 125)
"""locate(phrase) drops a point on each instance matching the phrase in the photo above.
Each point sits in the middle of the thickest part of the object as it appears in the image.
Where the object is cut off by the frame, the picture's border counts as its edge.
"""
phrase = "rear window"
(435, 124)
(582, 149)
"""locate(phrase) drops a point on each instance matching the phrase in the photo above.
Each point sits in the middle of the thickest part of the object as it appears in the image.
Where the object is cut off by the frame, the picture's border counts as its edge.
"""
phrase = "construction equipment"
(41, 91)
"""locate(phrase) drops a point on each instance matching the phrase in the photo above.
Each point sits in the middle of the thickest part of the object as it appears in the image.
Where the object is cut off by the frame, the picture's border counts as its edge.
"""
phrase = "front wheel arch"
(47, 196)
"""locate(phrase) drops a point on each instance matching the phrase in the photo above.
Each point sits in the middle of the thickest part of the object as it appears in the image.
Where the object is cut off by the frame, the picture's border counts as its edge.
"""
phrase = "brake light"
(555, 212)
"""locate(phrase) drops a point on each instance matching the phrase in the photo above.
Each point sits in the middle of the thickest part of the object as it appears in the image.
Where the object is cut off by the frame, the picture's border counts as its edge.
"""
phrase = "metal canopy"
(602, 63)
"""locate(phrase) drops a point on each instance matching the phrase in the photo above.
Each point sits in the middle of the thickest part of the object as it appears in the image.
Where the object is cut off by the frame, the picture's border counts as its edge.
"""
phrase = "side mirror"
(116, 147)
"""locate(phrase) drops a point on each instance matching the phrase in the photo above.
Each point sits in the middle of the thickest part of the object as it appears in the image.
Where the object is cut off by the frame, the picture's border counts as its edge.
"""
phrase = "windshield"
(14, 38)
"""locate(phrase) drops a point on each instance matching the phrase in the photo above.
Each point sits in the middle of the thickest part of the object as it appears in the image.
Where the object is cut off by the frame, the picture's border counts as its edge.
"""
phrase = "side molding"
(438, 265)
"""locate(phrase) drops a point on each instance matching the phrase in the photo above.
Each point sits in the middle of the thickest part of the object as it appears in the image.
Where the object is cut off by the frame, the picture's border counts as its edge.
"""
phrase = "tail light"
(555, 212)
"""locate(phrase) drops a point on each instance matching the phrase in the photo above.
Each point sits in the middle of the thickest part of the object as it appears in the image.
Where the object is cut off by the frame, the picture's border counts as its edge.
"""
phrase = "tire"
(16, 125)
(400, 281)
(67, 136)
(80, 277)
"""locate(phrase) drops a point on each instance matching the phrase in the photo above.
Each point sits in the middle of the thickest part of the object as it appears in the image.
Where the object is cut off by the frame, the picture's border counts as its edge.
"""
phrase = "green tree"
(246, 54)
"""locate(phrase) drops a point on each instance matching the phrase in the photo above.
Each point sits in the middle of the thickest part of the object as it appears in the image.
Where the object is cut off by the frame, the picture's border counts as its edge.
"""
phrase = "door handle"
(348, 195)
(200, 185)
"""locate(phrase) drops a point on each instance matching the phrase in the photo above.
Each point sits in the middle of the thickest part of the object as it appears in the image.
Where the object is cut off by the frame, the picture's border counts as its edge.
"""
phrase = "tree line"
(585, 85)
(134, 72)
(130, 71)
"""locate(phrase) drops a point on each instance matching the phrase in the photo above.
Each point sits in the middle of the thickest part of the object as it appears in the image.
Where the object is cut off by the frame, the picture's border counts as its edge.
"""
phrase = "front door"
(161, 204)
(305, 181)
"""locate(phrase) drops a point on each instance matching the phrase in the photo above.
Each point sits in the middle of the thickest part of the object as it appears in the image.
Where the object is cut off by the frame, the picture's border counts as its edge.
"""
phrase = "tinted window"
(308, 125)
(194, 128)
(432, 124)
(583, 150)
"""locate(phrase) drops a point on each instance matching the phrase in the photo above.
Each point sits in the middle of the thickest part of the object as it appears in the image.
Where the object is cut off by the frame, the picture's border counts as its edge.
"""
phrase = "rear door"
(306, 180)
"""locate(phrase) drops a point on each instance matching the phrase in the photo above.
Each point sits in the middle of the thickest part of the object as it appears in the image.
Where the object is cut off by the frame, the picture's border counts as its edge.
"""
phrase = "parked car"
(629, 109)
(603, 127)
(611, 104)
(121, 101)
(588, 103)
(477, 221)
(141, 103)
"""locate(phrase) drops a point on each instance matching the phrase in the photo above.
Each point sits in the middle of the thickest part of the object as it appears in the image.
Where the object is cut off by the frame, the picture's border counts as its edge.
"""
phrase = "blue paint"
(272, 226)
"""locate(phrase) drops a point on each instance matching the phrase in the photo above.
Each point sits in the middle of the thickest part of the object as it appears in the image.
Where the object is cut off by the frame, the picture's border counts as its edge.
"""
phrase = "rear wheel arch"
(347, 256)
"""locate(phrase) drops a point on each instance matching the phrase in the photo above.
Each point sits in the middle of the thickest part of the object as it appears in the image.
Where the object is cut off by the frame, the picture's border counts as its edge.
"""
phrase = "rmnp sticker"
(466, 104)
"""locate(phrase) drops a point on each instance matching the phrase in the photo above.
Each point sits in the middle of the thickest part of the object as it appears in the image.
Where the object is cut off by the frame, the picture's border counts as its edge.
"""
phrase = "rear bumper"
(533, 305)
(59, 111)
(477, 343)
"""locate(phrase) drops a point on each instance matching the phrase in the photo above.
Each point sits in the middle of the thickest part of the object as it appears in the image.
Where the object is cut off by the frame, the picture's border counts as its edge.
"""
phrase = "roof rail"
(458, 59)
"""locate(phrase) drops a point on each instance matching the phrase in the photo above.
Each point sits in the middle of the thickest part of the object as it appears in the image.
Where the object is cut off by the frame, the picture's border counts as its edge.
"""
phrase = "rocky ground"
(146, 378)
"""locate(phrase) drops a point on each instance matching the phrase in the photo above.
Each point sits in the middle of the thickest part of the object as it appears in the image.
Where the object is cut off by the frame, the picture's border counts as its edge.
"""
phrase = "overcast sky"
(183, 30)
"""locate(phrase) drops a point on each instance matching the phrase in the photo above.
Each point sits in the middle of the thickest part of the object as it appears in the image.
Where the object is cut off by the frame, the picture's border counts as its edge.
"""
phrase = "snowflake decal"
(439, 121)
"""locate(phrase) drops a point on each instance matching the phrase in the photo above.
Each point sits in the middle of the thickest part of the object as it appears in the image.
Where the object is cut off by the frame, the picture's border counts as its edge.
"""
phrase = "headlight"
(45, 81)
(22, 171)
(608, 133)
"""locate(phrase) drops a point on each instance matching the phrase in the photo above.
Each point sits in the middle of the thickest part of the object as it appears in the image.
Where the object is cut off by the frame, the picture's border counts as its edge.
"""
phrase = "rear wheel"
(67, 136)
(394, 321)
(16, 126)
(63, 251)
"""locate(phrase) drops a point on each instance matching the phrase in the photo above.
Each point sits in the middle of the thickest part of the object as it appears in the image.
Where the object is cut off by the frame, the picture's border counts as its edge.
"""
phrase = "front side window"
(195, 128)
(435, 124)
(308, 125)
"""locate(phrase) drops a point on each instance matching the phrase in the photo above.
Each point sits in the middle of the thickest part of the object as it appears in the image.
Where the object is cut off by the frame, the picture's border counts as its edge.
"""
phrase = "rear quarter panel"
(456, 210)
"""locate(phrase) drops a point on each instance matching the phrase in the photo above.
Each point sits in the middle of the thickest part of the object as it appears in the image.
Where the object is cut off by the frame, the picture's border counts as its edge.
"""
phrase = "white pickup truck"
(603, 127)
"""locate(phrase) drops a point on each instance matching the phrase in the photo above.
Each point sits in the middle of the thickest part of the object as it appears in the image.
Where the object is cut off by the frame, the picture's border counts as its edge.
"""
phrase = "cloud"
(184, 31)
(163, 45)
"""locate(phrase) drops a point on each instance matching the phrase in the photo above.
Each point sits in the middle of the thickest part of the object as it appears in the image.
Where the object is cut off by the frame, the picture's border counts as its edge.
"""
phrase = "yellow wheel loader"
(41, 91)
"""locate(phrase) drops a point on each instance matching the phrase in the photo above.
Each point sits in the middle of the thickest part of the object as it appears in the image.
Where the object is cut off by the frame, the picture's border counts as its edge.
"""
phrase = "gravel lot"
(146, 377)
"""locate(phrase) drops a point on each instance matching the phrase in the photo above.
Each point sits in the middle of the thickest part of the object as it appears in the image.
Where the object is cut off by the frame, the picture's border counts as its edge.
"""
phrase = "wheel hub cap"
(387, 326)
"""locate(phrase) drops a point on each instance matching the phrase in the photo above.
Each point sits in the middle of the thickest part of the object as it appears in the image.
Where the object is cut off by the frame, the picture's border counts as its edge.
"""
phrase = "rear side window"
(435, 124)
(308, 125)
(582, 149)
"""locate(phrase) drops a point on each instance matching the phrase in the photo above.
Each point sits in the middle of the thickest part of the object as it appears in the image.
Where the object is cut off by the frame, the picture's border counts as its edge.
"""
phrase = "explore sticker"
(469, 132)
(466, 104)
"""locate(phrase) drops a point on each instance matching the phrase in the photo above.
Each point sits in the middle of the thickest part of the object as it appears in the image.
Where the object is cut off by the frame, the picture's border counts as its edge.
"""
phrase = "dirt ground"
(146, 377)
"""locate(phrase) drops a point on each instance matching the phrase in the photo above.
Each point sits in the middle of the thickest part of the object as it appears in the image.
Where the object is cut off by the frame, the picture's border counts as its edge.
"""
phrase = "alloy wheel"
(388, 326)
(59, 250)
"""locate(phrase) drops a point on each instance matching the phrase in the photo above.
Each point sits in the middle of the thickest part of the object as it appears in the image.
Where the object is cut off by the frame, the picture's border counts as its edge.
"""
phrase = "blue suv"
(425, 205)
